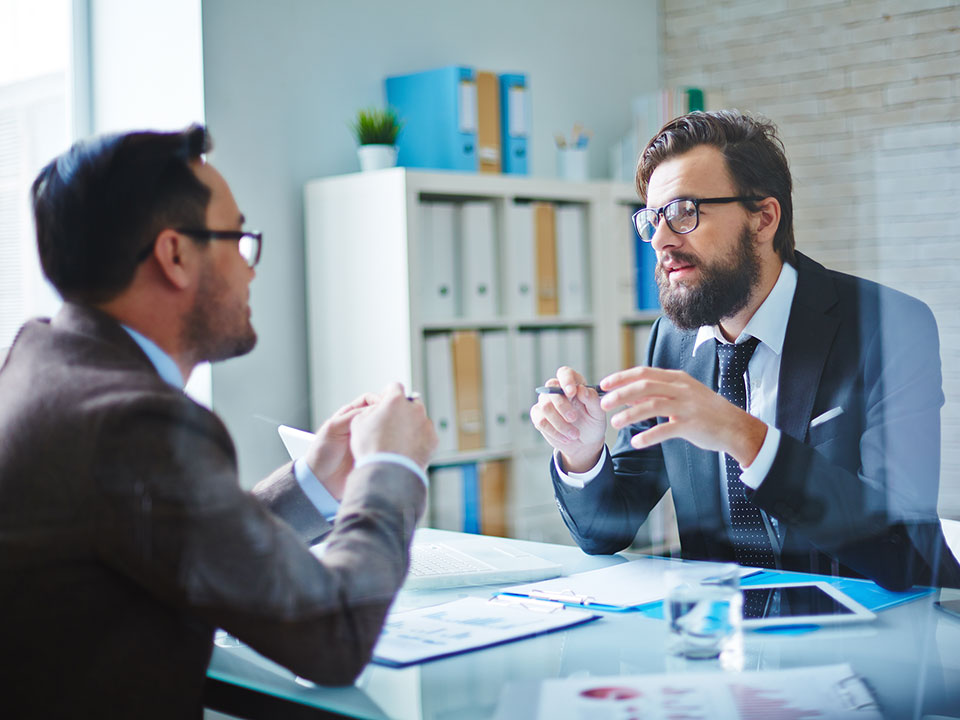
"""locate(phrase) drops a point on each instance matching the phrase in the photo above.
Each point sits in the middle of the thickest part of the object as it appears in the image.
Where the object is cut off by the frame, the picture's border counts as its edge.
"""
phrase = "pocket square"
(828, 415)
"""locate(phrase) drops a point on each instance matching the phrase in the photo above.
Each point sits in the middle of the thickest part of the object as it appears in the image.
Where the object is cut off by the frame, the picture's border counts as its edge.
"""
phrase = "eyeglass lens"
(681, 217)
(249, 246)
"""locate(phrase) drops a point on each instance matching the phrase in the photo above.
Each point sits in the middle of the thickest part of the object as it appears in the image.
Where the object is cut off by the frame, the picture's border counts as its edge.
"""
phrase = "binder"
(467, 380)
(493, 498)
(478, 260)
(446, 498)
(641, 336)
(571, 240)
(488, 123)
(521, 279)
(545, 239)
(515, 128)
(440, 391)
(439, 113)
(528, 378)
(471, 499)
(496, 398)
(550, 354)
(575, 352)
(645, 282)
(440, 261)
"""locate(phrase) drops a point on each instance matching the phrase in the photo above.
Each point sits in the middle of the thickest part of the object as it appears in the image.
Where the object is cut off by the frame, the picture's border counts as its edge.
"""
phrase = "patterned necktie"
(751, 544)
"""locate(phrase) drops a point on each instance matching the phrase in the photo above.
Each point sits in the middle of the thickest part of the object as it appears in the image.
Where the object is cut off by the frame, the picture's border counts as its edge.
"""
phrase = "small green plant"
(373, 126)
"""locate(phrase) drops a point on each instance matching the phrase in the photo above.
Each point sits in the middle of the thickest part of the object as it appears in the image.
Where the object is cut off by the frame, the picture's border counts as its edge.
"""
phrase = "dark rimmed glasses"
(249, 242)
(682, 215)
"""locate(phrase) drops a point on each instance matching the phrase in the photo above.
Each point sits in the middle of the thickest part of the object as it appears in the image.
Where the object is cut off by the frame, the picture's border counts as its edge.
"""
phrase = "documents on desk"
(618, 587)
(415, 636)
(831, 691)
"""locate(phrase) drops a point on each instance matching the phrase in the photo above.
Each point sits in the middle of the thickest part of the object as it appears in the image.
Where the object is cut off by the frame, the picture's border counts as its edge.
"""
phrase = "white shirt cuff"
(321, 498)
(396, 459)
(754, 475)
(579, 480)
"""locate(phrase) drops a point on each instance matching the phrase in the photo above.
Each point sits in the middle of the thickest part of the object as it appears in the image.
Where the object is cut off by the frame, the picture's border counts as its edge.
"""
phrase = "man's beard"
(723, 290)
(217, 328)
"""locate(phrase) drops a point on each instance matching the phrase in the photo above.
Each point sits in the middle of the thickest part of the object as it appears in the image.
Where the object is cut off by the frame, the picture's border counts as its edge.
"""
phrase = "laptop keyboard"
(429, 559)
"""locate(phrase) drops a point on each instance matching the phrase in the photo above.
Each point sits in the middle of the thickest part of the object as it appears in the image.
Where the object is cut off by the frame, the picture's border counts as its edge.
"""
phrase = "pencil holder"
(572, 163)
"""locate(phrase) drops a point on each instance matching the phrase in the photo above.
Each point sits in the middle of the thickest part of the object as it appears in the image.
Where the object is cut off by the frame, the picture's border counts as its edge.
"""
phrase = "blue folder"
(645, 259)
(439, 113)
(513, 135)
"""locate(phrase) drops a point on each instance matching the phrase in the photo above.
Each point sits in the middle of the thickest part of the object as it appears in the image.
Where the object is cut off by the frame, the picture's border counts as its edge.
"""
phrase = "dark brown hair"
(99, 207)
(753, 152)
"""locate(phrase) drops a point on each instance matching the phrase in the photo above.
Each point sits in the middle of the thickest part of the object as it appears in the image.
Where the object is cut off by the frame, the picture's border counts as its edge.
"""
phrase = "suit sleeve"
(863, 488)
(171, 516)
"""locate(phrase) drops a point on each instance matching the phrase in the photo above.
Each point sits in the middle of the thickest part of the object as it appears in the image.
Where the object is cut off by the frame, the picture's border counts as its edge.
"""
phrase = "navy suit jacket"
(855, 494)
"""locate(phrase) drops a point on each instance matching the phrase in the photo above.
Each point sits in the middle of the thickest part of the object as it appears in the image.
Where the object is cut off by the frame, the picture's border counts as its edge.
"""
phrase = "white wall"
(281, 81)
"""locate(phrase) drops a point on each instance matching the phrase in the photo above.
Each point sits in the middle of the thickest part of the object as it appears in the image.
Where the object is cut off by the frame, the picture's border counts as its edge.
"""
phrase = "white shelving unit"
(367, 325)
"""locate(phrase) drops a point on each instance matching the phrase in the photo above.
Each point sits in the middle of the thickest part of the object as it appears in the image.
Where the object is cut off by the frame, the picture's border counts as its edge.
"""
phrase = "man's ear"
(173, 253)
(767, 219)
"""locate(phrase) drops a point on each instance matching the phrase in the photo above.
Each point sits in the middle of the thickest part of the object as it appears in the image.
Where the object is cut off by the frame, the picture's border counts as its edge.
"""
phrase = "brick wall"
(867, 97)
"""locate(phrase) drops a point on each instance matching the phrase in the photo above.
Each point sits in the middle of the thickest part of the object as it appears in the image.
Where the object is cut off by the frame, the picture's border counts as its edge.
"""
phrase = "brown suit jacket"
(125, 538)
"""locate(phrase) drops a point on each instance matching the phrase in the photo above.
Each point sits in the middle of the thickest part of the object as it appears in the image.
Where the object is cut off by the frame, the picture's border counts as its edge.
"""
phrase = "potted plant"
(376, 132)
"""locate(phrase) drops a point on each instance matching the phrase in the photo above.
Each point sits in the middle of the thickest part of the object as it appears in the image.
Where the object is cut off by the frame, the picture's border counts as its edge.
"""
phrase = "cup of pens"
(572, 160)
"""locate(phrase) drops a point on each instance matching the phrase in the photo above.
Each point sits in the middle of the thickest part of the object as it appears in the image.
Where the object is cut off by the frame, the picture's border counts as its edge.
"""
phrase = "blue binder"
(515, 122)
(645, 260)
(439, 113)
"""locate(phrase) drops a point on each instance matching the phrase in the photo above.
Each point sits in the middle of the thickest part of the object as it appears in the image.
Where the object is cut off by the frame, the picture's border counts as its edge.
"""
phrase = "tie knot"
(734, 358)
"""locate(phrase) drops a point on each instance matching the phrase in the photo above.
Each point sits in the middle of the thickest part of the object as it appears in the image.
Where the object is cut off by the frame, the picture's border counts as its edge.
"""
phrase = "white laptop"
(441, 559)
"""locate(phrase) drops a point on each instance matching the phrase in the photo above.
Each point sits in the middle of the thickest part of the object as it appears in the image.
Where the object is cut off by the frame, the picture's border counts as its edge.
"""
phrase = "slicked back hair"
(99, 207)
(753, 152)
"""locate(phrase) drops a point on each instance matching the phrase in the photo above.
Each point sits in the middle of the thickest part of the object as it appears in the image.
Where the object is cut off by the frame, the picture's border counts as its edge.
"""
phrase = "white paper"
(629, 584)
(465, 624)
(832, 691)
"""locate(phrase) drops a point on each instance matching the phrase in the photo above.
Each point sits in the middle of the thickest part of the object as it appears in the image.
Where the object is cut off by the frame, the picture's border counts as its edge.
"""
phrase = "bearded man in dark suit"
(125, 539)
(793, 411)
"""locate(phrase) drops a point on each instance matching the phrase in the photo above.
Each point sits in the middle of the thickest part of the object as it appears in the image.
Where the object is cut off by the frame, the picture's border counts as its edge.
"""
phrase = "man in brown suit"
(125, 538)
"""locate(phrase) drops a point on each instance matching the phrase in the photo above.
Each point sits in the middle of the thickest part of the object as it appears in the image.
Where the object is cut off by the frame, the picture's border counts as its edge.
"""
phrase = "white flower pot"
(377, 157)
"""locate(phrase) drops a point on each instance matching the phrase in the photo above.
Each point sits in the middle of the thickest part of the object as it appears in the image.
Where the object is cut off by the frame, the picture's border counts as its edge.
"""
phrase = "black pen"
(557, 390)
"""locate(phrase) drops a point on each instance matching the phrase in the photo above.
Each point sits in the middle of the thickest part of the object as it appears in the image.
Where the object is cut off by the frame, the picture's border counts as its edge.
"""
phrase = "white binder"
(571, 259)
(575, 352)
(440, 288)
(521, 259)
(525, 392)
(446, 498)
(496, 397)
(479, 260)
(550, 354)
(440, 399)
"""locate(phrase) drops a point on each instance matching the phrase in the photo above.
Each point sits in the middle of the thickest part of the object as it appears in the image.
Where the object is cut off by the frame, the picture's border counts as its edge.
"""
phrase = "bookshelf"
(371, 253)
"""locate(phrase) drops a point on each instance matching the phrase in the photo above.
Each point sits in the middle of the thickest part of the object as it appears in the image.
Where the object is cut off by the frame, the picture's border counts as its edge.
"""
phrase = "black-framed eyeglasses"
(682, 215)
(249, 242)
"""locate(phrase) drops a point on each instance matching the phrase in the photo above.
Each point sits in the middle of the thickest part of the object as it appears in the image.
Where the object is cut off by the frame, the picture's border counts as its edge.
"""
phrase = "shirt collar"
(164, 364)
(769, 322)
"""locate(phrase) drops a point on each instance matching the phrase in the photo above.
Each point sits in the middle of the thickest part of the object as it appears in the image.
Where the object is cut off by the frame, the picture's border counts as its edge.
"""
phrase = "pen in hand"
(557, 390)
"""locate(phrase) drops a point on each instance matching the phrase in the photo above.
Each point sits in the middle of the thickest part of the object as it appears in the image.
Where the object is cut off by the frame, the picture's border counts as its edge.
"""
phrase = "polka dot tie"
(751, 544)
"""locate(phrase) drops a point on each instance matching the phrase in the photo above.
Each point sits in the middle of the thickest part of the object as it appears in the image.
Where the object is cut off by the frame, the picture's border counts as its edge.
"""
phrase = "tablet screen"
(789, 601)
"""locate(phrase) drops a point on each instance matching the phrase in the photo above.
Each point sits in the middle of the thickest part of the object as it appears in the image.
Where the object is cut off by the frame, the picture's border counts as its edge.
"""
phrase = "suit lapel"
(809, 337)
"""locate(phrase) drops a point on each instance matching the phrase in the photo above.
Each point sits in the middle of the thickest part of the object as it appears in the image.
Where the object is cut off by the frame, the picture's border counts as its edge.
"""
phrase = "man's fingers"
(655, 435)
(550, 418)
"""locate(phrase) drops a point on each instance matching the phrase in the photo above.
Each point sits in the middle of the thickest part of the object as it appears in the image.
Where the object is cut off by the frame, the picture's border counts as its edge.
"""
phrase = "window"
(35, 116)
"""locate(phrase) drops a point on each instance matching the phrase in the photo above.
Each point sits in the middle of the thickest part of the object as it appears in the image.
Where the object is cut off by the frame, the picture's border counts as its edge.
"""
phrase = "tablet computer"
(803, 603)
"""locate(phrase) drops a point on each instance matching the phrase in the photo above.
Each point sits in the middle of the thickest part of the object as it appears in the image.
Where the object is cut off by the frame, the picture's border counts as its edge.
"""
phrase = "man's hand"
(329, 456)
(396, 425)
(694, 412)
(572, 423)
